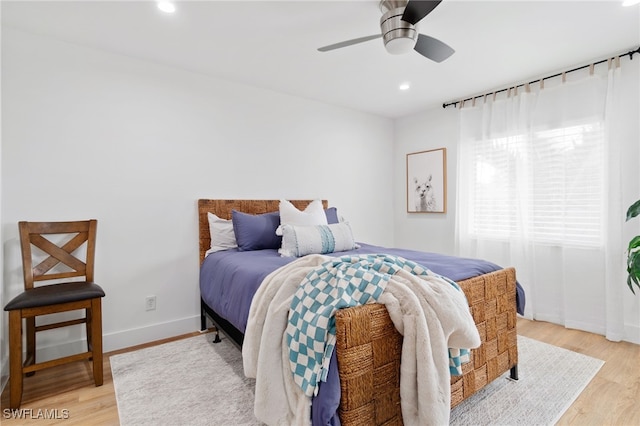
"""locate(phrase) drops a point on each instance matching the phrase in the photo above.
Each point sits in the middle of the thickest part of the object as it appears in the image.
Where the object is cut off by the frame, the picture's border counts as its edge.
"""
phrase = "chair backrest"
(71, 236)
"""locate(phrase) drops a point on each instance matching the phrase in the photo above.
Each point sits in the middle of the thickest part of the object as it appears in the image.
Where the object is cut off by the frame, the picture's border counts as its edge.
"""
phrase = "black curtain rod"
(629, 53)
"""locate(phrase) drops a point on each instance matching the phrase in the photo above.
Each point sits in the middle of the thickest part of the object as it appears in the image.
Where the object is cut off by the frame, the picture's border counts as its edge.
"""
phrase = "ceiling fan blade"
(348, 43)
(418, 9)
(433, 48)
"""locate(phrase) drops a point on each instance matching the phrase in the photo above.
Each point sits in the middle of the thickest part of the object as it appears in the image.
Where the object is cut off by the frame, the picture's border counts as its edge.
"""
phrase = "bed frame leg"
(203, 322)
(514, 372)
(218, 324)
(203, 317)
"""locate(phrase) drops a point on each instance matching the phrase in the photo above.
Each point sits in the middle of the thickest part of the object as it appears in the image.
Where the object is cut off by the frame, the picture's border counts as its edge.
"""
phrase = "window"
(554, 175)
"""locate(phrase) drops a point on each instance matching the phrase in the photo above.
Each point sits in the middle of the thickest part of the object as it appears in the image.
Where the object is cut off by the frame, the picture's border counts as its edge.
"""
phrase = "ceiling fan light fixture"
(399, 30)
(399, 36)
(399, 45)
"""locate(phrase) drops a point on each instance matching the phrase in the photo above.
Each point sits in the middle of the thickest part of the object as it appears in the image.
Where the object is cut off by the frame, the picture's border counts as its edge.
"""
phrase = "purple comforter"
(229, 279)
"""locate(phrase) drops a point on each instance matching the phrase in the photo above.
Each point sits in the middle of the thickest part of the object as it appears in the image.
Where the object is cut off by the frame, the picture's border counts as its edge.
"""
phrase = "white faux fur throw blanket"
(430, 313)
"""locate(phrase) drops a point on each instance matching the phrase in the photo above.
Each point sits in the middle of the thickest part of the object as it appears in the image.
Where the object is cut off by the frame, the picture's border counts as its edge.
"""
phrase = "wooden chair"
(72, 289)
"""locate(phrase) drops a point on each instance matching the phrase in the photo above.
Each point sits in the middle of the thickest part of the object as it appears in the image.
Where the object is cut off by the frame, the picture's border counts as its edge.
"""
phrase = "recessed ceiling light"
(404, 86)
(166, 6)
(630, 2)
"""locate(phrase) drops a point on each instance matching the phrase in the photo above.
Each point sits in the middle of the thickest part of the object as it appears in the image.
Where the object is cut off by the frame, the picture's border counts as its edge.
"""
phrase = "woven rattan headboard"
(222, 209)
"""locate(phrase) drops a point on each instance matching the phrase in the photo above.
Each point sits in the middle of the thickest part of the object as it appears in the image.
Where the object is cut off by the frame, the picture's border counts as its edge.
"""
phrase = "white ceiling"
(272, 44)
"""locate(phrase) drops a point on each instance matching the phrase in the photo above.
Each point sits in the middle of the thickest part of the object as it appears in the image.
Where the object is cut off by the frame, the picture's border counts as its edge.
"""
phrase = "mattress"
(230, 278)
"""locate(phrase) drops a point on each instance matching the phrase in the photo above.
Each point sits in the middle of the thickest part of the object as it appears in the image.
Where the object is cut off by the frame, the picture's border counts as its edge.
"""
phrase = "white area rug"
(550, 379)
(196, 382)
(185, 382)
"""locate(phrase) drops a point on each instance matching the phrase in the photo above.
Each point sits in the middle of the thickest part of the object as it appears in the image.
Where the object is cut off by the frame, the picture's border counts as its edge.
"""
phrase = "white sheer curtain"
(539, 189)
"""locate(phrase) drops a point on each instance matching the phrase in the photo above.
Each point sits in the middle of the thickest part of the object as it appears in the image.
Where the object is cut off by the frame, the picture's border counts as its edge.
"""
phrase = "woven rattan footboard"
(368, 348)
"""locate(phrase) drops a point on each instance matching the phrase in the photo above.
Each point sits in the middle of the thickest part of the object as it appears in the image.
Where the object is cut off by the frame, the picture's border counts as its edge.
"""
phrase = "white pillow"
(319, 239)
(312, 215)
(222, 236)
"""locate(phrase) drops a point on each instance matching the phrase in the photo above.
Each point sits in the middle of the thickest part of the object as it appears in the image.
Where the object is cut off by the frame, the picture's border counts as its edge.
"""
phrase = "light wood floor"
(612, 397)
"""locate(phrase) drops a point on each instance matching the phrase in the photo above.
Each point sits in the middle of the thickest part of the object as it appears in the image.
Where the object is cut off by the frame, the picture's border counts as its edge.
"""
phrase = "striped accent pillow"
(318, 239)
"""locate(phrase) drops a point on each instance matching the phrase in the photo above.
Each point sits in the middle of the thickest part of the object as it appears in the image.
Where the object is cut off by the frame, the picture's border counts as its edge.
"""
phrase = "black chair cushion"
(54, 294)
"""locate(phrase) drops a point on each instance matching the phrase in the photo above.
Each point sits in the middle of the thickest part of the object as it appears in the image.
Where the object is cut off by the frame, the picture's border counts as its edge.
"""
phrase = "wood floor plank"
(610, 399)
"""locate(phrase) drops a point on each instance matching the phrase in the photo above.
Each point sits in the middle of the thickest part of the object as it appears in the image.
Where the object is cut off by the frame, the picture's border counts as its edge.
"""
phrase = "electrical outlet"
(150, 303)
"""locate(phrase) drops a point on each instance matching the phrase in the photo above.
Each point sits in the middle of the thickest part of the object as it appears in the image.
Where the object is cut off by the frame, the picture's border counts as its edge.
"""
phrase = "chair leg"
(87, 324)
(96, 339)
(31, 343)
(15, 358)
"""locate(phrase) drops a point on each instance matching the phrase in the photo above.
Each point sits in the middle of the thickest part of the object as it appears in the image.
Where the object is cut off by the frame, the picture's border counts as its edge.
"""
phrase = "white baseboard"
(125, 338)
(138, 336)
(113, 341)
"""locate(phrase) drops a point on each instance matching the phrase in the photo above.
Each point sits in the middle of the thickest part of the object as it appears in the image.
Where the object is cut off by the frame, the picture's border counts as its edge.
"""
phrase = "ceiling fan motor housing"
(399, 36)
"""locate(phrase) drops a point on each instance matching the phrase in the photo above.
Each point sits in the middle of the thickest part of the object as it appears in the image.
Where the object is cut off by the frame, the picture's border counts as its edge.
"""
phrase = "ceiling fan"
(399, 31)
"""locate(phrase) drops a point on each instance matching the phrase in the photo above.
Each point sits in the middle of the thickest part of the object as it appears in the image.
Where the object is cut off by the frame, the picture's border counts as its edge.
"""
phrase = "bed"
(368, 347)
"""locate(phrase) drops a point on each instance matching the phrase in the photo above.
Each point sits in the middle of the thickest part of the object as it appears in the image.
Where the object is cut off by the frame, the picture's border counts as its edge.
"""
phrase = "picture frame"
(427, 181)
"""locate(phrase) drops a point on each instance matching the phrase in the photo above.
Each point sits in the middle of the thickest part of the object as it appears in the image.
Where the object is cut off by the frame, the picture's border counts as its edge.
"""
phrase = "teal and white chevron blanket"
(429, 311)
(340, 283)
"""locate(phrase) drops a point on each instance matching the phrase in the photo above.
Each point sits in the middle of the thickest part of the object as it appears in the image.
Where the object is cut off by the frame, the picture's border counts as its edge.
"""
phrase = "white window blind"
(555, 176)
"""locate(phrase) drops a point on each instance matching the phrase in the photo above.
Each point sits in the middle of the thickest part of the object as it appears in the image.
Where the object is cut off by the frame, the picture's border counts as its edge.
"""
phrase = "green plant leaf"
(630, 284)
(633, 269)
(634, 210)
(633, 252)
(634, 243)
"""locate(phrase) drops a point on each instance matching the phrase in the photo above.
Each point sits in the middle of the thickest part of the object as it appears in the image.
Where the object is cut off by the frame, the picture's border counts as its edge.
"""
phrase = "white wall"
(432, 129)
(88, 134)
(437, 127)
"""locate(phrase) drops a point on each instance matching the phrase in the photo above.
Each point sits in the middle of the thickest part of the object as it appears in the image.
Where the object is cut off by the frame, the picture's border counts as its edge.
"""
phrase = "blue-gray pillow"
(332, 215)
(256, 232)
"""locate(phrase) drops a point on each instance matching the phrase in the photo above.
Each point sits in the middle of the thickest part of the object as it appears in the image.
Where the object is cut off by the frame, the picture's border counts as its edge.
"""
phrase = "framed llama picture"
(427, 181)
